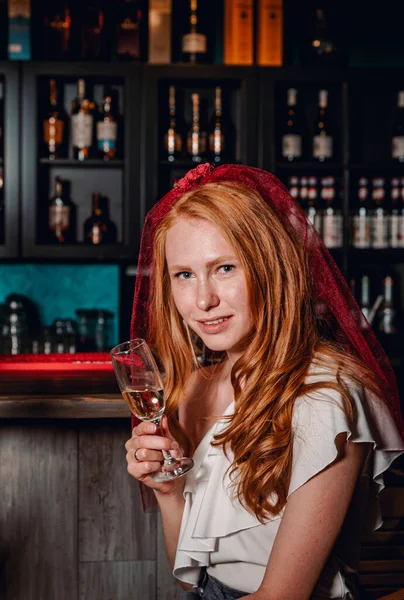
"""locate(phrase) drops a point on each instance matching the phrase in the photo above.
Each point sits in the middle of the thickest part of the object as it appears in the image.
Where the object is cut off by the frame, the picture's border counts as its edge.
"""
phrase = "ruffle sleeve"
(319, 417)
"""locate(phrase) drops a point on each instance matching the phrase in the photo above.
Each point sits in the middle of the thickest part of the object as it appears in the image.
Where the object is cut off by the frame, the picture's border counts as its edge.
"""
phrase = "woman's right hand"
(144, 456)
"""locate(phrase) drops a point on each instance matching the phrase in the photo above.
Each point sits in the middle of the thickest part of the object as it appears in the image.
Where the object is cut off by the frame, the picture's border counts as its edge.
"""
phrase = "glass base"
(173, 469)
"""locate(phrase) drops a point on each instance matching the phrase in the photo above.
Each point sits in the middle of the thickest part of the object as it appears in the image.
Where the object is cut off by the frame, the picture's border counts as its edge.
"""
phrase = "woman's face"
(208, 284)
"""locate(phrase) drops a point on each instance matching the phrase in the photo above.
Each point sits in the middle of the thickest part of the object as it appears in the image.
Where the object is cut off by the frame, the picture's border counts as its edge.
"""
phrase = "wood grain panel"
(117, 581)
(38, 512)
(67, 406)
(112, 523)
(167, 586)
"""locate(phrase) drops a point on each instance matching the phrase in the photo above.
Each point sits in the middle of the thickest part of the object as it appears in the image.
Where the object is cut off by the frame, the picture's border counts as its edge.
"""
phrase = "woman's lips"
(208, 327)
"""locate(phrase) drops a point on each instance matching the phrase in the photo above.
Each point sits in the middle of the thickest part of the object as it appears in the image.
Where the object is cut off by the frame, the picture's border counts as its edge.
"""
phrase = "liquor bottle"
(398, 130)
(388, 313)
(160, 25)
(55, 133)
(62, 214)
(82, 123)
(173, 138)
(92, 32)
(107, 126)
(313, 212)
(396, 217)
(365, 296)
(292, 134)
(98, 228)
(332, 216)
(322, 47)
(361, 217)
(221, 132)
(194, 44)
(378, 216)
(130, 30)
(57, 31)
(269, 48)
(197, 138)
(322, 139)
(239, 32)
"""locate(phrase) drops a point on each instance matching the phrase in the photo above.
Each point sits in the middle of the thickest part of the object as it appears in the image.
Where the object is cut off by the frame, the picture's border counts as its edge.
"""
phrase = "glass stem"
(168, 459)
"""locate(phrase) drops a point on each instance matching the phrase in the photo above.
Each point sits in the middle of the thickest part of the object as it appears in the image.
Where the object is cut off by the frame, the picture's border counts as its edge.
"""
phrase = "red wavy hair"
(288, 335)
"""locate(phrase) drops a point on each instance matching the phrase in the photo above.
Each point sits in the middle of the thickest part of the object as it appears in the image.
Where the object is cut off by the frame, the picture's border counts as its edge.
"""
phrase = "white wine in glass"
(141, 386)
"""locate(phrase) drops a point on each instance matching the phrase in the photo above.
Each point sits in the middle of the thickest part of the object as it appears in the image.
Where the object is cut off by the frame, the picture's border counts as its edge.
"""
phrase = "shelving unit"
(143, 174)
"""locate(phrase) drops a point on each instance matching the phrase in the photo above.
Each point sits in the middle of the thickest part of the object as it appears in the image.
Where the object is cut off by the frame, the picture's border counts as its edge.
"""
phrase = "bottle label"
(332, 231)
(360, 232)
(398, 146)
(322, 146)
(379, 231)
(59, 219)
(106, 135)
(82, 130)
(194, 43)
(397, 231)
(291, 145)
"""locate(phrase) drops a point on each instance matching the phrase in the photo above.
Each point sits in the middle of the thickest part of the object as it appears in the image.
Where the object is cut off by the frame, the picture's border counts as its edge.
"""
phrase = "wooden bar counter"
(72, 526)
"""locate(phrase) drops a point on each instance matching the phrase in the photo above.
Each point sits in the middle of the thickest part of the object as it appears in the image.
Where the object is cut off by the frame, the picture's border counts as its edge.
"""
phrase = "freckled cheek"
(183, 300)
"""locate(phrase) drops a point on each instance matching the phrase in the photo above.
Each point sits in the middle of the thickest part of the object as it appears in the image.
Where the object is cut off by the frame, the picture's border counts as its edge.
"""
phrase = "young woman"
(292, 426)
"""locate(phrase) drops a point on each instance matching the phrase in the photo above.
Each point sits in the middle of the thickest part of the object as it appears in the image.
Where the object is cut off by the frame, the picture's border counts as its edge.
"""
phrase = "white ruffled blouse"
(217, 532)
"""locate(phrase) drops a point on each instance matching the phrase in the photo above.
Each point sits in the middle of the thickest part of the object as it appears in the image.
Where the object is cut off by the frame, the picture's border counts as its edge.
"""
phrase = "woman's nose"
(207, 297)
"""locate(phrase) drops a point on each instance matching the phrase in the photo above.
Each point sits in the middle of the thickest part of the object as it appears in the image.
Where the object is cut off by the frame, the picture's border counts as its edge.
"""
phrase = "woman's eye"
(183, 275)
(226, 268)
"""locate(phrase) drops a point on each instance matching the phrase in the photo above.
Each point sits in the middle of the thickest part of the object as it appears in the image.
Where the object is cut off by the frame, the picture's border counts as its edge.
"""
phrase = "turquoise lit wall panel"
(58, 290)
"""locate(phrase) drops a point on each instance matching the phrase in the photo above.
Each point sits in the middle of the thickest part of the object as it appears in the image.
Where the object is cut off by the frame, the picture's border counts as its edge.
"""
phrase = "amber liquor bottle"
(98, 228)
(62, 214)
(55, 123)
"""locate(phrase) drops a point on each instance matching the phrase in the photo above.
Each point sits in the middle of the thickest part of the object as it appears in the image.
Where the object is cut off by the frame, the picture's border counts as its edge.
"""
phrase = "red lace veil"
(333, 297)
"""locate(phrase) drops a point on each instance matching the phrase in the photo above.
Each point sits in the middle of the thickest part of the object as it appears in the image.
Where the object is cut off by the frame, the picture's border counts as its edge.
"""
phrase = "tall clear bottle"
(194, 43)
(396, 217)
(365, 296)
(293, 129)
(360, 236)
(332, 214)
(221, 131)
(388, 312)
(323, 141)
(379, 233)
(397, 142)
(197, 137)
(82, 123)
(173, 138)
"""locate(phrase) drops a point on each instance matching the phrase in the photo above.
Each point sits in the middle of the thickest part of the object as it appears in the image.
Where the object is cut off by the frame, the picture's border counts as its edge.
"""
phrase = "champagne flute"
(141, 386)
